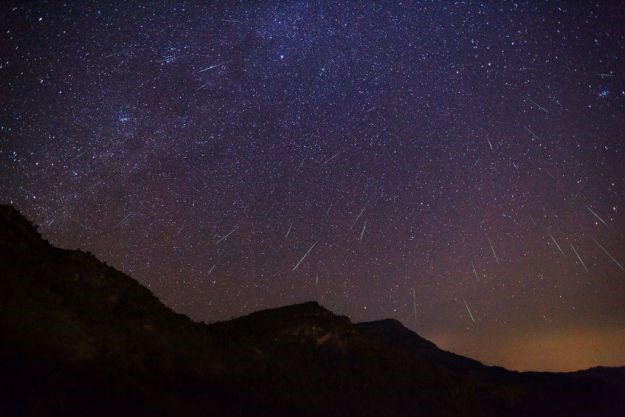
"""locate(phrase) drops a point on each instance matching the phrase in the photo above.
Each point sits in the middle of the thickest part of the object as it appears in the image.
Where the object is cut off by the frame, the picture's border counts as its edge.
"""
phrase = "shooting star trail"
(490, 144)
(202, 86)
(549, 173)
(468, 310)
(364, 226)
(124, 219)
(533, 221)
(331, 158)
(608, 253)
(537, 105)
(329, 208)
(288, 232)
(180, 229)
(579, 257)
(77, 156)
(414, 304)
(113, 54)
(359, 214)
(300, 165)
(605, 75)
(534, 135)
(305, 255)
(493, 249)
(210, 270)
(596, 215)
(557, 245)
(211, 67)
(226, 237)
(474, 271)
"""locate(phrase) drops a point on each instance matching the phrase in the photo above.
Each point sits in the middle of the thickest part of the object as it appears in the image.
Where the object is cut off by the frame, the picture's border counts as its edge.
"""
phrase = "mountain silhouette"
(78, 338)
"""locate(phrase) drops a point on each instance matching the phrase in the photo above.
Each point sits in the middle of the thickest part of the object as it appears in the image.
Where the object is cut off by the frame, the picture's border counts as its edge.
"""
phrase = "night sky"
(457, 166)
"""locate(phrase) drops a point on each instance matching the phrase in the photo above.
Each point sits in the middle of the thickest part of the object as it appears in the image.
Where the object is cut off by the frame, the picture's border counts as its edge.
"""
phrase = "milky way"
(459, 167)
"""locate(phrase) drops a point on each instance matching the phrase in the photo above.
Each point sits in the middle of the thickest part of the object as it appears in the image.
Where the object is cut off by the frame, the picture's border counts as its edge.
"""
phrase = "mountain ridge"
(80, 337)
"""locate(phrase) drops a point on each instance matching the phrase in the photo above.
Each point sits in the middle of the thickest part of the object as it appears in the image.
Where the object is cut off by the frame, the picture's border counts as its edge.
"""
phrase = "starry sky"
(458, 166)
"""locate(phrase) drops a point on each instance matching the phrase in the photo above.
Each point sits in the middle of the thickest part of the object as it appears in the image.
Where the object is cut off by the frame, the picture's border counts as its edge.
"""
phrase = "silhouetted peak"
(310, 310)
(17, 233)
(395, 332)
(386, 324)
(615, 375)
(305, 322)
(305, 306)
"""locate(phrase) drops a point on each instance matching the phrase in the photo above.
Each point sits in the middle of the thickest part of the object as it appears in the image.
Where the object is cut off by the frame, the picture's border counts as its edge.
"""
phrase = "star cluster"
(457, 166)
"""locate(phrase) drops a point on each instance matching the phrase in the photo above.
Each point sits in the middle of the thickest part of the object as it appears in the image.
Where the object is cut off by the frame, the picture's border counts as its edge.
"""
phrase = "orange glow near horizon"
(558, 351)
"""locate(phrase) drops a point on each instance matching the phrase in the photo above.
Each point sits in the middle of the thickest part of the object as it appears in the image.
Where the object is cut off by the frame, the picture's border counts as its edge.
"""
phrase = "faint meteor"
(414, 304)
(608, 253)
(533, 221)
(300, 165)
(549, 173)
(211, 67)
(493, 249)
(211, 270)
(579, 257)
(329, 208)
(537, 105)
(226, 236)
(557, 245)
(359, 214)
(331, 158)
(305, 255)
(179, 229)
(124, 219)
(534, 135)
(605, 75)
(474, 271)
(596, 215)
(468, 310)
(490, 144)
(364, 226)
(231, 21)
(317, 280)
(77, 156)
(202, 86)
(113, 54)
(288, 232)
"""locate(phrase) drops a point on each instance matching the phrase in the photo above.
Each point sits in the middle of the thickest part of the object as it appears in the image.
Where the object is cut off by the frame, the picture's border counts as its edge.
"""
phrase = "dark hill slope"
(80, 338)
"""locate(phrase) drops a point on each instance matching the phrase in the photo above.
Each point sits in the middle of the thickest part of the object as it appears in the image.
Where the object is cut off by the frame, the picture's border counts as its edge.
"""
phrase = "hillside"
(79, 338)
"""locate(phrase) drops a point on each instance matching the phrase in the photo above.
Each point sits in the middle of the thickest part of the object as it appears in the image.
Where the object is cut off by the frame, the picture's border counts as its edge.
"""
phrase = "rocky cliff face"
(80, 338)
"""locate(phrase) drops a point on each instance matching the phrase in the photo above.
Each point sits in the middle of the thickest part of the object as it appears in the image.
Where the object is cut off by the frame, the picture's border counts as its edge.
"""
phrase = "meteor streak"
(468, 310)
(226, 237)
(493, 249)
(578, 257)
(305, 255)
(608, 253)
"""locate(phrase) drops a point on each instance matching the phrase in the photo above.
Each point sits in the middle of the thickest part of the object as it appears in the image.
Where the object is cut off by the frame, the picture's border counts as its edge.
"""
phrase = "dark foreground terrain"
(78, 338)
